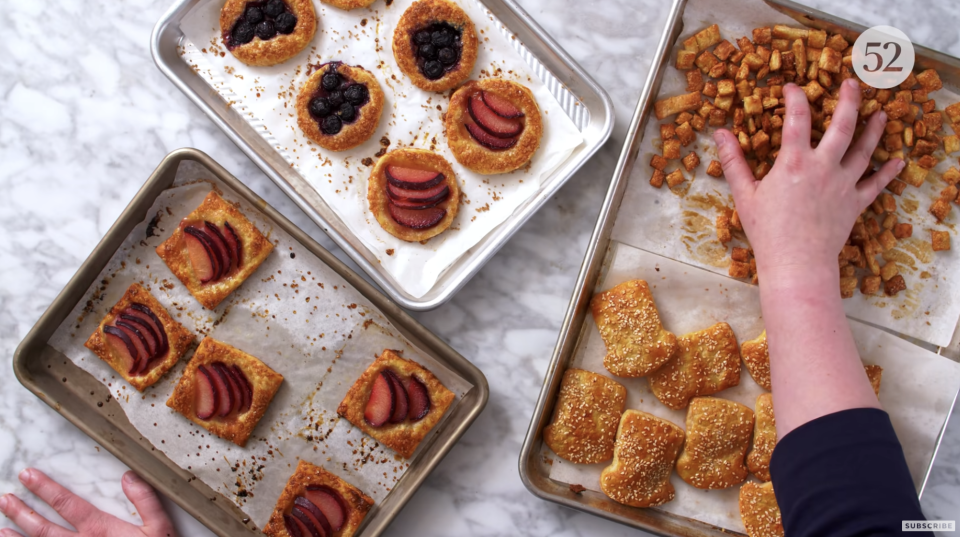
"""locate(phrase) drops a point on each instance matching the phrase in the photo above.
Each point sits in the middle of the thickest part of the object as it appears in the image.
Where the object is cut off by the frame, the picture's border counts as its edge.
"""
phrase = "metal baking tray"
(84, 401)
(587, 104)
(534, 470)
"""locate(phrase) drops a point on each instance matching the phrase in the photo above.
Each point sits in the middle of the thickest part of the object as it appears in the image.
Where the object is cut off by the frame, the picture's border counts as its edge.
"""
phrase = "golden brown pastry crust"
(756, 357)
(874, 373)
(235, 428)
(215, 210)
(759, 510)
(643, 459)
(585, 417)
(281, 47)
(401, 437)
(707, 362)
(347, 5)
(420, 159)
(358, 503)
(178, 338)
(352, 134)
(477, 157)
(629, 324)
(718, 436)
(764, 438)
(424, 13)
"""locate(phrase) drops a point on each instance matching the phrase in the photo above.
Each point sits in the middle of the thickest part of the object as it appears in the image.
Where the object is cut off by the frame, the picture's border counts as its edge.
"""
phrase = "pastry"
(759, 510)
(643, 458)
(435, 45)
(317, 502)
(339, 106)
(718, 436)
(585, 418)
(413, 193)
(629, 325)
(707, 362)
(348, 4)
(396, 401)
(493, 126)
(874, 373)
(764, 438)
(213, 250)
(269, 32)
(757, 359)
(225, 390)
(139, 339)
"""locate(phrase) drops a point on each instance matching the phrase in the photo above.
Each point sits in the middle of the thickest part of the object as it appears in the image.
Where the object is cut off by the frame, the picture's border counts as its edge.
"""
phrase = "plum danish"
(413, 193)
(267, 32)
(339, 106)
(435, 45)
(493, 125)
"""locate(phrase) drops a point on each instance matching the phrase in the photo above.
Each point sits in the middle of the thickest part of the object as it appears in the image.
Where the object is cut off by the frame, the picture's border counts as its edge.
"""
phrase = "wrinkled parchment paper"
(679, 224)
(297, 316)
(917, 389)
(411, 118)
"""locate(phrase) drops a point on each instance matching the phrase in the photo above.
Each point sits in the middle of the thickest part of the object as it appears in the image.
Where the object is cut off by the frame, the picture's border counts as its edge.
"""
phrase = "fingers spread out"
(146, 502)
(844, 123)
(796, 126)
(869, 188)
(858, 157)
(735, 168)
(30, 521)
(71, 507)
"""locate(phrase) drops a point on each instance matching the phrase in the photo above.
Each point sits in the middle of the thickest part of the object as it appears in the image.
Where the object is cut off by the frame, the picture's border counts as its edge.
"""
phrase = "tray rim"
(36, 339)
(590, 270)
(602, 115)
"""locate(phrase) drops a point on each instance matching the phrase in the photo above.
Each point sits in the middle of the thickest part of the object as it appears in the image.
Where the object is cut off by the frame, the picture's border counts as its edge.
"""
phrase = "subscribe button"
(929, 525)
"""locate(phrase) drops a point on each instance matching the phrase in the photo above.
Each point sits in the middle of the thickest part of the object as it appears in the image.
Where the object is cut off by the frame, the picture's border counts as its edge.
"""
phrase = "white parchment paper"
(411, 118)
(297, 316)
(917, 389)
(679, 224)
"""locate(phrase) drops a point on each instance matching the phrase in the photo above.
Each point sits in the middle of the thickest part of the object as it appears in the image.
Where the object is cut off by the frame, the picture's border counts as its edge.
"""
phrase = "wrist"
(815, 278)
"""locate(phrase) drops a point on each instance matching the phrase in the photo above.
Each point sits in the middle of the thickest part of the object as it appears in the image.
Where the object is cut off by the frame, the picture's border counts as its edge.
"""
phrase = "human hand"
(87, 519)
(799, 217)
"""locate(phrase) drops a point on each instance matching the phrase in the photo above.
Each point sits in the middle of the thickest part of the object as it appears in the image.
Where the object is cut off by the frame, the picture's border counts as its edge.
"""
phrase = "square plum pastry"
(213, 250)
(139, 339)
(396, 401)
(225, 390)
(316, 502)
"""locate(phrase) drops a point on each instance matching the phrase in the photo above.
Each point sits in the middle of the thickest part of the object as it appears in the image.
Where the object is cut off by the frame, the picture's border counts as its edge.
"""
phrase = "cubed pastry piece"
(629, 325)
(757, 359)
(139, 339)
(759, 510)
(643, 459)
(225, 390)
(764, 438)
(718, 436)
(707, 362)
(213, 250)
(585, 418)
(267, 33)
(317, 502)
(397, 402)
(874, 374)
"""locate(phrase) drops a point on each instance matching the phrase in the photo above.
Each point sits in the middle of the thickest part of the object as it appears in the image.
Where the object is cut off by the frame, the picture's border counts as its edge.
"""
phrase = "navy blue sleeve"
(844, 474)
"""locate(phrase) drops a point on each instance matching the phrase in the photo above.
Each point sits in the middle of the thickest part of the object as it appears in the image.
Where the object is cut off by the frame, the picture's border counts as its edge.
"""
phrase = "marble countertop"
(85, 116)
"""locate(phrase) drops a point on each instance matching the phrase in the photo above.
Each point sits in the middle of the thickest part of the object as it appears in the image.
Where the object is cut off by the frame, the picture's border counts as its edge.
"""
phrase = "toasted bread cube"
(847, 270)
(726, 87)
(889, 222)
(830, 60)
(887, 240)
(686, 59)
(706, 60)
(762, 170)
(813, 54)
(933, 121)
(894, 126)
(743, 73)
(824, 79)
(927, 161)
(953, 112)
(903, 231)
(741, 255)
(667, 131)
(691, 161)
(883, 96)
(799, 56)
(872, 263)
(817, 38)
(714, 169)
(694, 80)
(724, 103)
(718, 118)
(913, 174)
(685, 135)
(683, 117)
(904, 95)
(951, 144)
(873, 227)
(920, 96)
(940, 240)
(930, 80)
(786, 32)
(909, 82)
(929, 106)
(724, 50)
(674, 178)
(894, 285)
(656, 180)
(710, 89)
(698, 123)
(674, 105)
(744, 142)
(723, 227)
(813, 90)
(889, 271)
(848, 286)
(761, 144)
(708, 37)
(888, 202)
(837, 43)
(746, 46)
(753, 61)
(657, 162)
(893, 141)
(870, 285)
(919, 128)
(880, 154)
(739, 270)
(896, 109)
(762, 36)
(776, 60)
(752, 105)
(912, 114)
(951, 176)
(671, 149)
(924, 147)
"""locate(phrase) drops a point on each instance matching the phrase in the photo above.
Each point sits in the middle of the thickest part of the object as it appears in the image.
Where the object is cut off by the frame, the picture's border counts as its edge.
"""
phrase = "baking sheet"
(679, 223)
(297, 316)
(411, 118)
(918, 386)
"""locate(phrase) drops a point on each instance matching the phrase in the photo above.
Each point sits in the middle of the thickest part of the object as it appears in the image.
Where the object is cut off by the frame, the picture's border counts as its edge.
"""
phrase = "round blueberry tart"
(267, 32)
(493, 125)
(435, 45)
(339, 106)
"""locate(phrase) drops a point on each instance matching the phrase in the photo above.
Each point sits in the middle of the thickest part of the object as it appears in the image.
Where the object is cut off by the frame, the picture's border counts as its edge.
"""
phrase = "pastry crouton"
(674, 105)
(874, 374)
(643, 458)
(764, 438)
(691, 161)
(585, 417)
(714, 169)
(718, 436)
(940, 240)
(757, 359)
(759, 510)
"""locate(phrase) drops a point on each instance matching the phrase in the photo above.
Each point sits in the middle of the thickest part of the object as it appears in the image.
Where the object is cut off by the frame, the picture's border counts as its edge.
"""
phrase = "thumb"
(735, 167)
(146, 502)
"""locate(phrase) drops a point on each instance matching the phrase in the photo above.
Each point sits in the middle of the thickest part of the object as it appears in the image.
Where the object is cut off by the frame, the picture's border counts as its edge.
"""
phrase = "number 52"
(889, 67)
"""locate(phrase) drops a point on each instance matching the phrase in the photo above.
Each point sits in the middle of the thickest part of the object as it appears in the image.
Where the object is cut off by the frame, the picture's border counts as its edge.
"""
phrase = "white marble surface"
(85, 116)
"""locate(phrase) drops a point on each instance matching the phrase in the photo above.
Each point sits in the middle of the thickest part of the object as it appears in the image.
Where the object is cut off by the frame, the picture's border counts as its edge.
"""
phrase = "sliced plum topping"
(224, 396)
(200, 249)
(413, 178)
(286, 23)
(247, 389)
(234, 244)
(220, 242)
(491, 122)
(266, 30)
(402, 401)
(139, 342)
(261, 19)
(236, 392)
(146, 313)
(418, 205)
(419, 399)
(501, 106)
(486, 139)
(316, 515)
(330, 504)
(313, 530)
(356, 94)
(206, 394)
(145, 328)
(294, 527)
(414, 218)
(437, 49)
(381, 403)
(434, 195)
(121, 344)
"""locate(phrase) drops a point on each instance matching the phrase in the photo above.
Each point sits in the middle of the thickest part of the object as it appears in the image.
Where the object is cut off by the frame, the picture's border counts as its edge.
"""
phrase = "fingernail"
(901, 165)
(26, 476)
(852, 83)
(719, 138)
(3, 503)
(883, 117)
(130, 478)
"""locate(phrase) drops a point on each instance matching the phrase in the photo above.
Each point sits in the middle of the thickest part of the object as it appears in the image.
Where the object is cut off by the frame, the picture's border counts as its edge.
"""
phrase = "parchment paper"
(411, 118)
(917, 390)
(679, 224)
(296, 315)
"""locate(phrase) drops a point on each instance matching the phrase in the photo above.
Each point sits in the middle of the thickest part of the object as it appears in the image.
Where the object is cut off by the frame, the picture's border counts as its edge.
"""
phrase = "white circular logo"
(883, 57)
